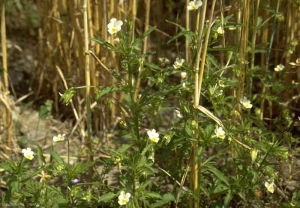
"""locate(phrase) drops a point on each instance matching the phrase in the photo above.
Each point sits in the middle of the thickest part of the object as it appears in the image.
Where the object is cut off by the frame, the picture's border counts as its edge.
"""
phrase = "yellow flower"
(220, 133)
(254, 153)
(114, 26)
(221, 83)
(220, 30)
(153, 135)
(44, 176)
(123, 198)
(28, 153)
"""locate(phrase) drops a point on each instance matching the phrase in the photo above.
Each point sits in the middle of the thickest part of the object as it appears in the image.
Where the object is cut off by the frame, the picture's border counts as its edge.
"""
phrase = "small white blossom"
(114, 26)
(183, 75)
(279, 68)
(164, 60)
(28, 153)
(59, 138)
(178, 63)
(220, 133)
(270, 186)
(123, 198)
(246, 103)
(193, 5)
(75, 180)
(220, 30)
(178, 114)
(153, 135)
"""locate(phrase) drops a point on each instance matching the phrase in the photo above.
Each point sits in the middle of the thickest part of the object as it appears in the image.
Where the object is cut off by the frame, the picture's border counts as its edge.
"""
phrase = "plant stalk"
(87, 81)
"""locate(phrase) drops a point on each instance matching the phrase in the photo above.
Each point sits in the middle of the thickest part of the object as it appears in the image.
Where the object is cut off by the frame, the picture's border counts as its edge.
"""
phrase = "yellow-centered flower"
(28, 153)
(193, 5)
(220, 133)
(114, 26)
(153, 135)
(123, 198)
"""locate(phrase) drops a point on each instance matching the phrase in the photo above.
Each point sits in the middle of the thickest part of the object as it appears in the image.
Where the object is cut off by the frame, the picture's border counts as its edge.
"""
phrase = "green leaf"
(9, 166)
(56, 157)
(217, 173)
(67, 96)
(45, 110)
(105, 90)
(145, 150)
(165, 199)
(153, 195)
(228, 199)
(153, 66)
(106, 197)
(41, 157)
(187, 33)
(150, 30)
(80, 168)
(204, 190)
(103, 42)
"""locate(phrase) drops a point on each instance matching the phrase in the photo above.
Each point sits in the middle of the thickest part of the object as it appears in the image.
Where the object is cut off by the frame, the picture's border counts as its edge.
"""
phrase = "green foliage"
(231, 169)
(45, 110)
(67, 96)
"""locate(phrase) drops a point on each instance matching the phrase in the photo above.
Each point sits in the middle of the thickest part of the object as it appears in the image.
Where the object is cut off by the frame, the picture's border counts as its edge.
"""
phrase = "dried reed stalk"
(88, 142)
(7, 115)
(4, 48)
(145, 47)
(265, 37)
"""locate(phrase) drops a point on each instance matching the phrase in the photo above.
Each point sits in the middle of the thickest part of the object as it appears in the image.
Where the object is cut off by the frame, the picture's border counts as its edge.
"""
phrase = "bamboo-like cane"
(4, 48)
(265, 35)
(253, 42)
(187, 25)
(194, 203)
(145, 47)
(8, 116)
(87, 80)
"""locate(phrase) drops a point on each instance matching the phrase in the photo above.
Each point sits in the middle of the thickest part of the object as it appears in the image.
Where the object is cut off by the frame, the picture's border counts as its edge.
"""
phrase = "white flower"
(28, 153)
(178, 63)
(220, 30)
(164, 60)
(220, 133)
(245, 102)
(270, 186)
(279, 68)
(183, 75)
(75, 180)
(59, 138)
(153, 135)
(124, 198)
(178, 114)
(114, 26)
(193, 5)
